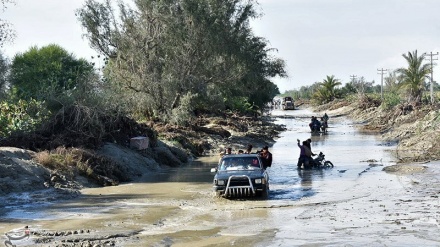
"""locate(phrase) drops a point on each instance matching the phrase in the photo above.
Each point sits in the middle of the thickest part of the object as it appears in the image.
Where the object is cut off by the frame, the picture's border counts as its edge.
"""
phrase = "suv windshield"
(232, 163)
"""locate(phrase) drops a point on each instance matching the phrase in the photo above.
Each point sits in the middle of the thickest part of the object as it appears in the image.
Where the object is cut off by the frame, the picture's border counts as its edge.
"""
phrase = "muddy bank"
(415, 129)
(112, 163)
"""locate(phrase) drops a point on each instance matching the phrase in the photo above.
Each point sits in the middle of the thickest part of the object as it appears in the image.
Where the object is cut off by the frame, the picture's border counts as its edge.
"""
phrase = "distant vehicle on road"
(288, 103)
(241, 175)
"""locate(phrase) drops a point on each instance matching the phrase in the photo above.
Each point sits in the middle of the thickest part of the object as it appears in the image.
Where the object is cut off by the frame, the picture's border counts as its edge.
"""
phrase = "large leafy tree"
(39, 72)
(412, 79)
(163, 51)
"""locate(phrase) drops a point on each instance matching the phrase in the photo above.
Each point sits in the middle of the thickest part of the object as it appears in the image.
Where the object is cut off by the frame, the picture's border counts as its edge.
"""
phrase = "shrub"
(390, 100)
(183, 114)
(21, 116)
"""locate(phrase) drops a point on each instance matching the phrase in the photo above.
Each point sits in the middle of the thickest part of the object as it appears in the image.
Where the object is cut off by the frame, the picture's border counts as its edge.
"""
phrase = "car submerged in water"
(241, 175)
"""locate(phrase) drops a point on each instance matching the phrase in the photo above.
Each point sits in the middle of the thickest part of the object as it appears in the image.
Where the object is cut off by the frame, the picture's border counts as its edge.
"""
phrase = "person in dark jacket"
(266, 157)
(309, 145)
(305, 156)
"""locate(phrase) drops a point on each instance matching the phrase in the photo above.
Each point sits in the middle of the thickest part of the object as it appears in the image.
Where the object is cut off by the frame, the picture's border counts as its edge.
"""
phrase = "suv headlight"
(220, 182)
(260, 181)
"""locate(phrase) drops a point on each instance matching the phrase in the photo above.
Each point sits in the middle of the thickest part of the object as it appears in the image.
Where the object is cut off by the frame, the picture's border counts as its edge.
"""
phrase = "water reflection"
(307, 176)
(195, 172)
(319, 139)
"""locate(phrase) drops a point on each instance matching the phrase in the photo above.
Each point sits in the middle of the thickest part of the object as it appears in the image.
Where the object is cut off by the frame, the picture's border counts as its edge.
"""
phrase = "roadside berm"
(413, 128)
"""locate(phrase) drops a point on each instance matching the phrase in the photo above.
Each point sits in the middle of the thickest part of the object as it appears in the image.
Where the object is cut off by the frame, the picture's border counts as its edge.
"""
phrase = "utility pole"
(431, 87)
(353, 77)
(382, 71)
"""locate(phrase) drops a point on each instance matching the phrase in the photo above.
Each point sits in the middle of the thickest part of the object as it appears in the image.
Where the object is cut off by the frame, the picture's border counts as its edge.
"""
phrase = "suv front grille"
(239, 186)
(240, 192)
(239, 182)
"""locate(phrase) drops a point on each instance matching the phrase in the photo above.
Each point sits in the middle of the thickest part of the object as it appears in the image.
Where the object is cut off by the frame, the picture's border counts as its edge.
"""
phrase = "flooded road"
(353, 204)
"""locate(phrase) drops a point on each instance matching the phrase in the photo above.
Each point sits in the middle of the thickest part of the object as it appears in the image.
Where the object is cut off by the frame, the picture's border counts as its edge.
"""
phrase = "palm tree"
(329, 87)
(412, 79)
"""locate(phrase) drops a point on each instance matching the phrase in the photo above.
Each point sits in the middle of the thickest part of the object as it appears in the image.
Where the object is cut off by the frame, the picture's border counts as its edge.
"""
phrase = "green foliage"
(412, 78)
(4, 67)
(181, 115)
(21, 116)
(161, 49)
(288, 93)
(46, 73)
(241, 104)
(326, 91)
(305, 92)
(347, 90)
(390, 100)
(351, 98)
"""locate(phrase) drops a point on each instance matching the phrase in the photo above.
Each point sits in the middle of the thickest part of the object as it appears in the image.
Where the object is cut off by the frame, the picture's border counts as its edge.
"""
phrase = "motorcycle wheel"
(328, 164)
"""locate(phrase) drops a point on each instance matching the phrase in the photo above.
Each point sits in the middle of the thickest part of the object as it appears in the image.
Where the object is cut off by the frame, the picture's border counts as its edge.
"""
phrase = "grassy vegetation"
(71, 162)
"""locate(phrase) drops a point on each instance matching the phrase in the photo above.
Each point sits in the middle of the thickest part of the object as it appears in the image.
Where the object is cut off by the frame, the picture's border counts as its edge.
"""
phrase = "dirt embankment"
(69, 156)
(414, 128)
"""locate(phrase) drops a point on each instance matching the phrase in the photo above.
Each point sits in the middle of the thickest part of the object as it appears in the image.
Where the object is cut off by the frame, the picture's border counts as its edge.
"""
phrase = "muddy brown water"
(353, 204)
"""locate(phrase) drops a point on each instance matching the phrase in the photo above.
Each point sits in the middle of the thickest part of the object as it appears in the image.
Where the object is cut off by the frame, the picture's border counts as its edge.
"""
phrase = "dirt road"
(354, 204)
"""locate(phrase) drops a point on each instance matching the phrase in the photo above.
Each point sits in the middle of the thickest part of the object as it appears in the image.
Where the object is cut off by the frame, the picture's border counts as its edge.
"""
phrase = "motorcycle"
(324, 126)
(315, 127)
(321, 162)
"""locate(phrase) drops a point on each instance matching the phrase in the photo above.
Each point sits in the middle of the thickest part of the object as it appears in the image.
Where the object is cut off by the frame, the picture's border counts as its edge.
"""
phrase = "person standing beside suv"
(266, 157)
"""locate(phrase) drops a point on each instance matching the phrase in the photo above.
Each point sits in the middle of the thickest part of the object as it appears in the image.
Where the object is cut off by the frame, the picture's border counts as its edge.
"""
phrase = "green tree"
(326, 91)
(412, 78)
(161, 51)
(330, 84)
(47, 72)
(306, 92)
(4, 67)
(347, 89)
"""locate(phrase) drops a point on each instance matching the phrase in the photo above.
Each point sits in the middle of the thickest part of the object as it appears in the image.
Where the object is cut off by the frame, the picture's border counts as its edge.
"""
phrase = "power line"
(353, 77)
(431, 86)
(382, 71)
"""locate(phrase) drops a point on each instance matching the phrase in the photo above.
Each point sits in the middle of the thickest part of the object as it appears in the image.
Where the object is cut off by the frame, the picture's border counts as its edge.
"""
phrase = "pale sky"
(316, 38)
